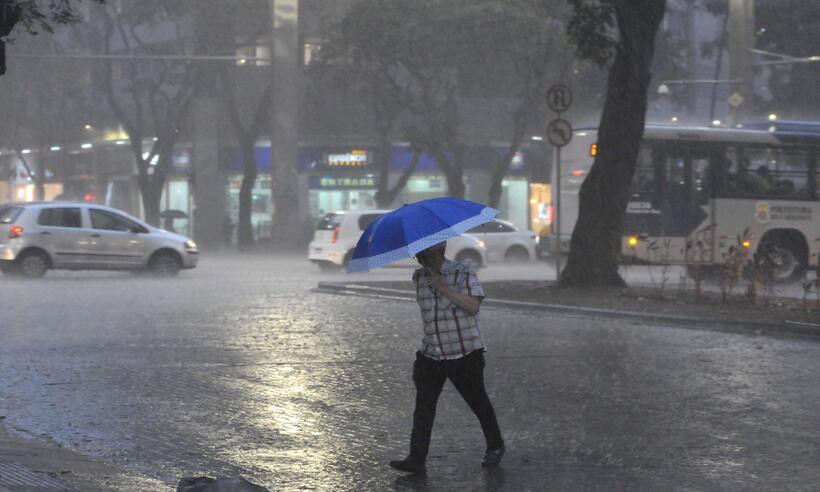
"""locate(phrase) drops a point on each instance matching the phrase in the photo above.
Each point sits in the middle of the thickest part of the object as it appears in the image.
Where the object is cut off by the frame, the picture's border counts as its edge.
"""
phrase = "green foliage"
(592, 29)
(40, 15)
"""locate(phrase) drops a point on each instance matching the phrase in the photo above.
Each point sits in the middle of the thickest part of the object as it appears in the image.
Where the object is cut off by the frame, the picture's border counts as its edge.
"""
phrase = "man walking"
(449, 295)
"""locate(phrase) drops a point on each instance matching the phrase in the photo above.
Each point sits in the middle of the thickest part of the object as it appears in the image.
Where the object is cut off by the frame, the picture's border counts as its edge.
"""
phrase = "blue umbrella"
(414, 227)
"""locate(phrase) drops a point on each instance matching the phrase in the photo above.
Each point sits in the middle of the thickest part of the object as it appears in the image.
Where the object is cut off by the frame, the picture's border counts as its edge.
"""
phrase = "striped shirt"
(449, 332)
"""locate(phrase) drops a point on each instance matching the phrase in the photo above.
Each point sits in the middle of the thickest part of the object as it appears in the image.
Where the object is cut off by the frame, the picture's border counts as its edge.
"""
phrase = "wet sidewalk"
(769, 315)
(28, 464)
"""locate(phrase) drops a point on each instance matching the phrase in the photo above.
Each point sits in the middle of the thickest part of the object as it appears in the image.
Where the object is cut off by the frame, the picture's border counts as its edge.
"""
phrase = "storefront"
(333, 178)
(19, 178)
(261, 205)
(338, 179)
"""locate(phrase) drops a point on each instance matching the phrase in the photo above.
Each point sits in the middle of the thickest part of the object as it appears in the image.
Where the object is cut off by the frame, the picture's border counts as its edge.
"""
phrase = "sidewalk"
(771, 316)
(28, 464)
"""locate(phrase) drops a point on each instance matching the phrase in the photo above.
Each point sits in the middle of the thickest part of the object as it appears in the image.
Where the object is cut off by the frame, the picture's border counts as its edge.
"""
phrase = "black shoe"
(409, 465)
(493, 457)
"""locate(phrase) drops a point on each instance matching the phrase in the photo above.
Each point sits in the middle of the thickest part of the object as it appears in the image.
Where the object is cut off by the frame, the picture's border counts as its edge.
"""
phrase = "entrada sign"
(342, 182)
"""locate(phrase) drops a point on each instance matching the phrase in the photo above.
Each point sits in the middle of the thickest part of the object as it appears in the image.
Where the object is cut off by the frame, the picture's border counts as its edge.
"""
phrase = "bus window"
(777, 173)
(685, 186)
(791, 175)
(726, 171)
(763, 172)
(757, 164)
(643, 182)
(816, 159)
(701, 179)
(643, 213)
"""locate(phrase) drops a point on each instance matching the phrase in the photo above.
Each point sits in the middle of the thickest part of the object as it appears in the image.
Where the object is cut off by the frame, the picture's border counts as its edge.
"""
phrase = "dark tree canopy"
(34, 16)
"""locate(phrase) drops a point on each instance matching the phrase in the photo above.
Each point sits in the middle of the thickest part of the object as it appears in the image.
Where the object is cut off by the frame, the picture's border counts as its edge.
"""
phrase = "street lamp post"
(288, 210)
(741, 24)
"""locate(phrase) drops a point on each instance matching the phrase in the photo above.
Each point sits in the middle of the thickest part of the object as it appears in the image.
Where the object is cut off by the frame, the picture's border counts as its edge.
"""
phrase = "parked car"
(505, 242)
(337, 234)
(38, 236)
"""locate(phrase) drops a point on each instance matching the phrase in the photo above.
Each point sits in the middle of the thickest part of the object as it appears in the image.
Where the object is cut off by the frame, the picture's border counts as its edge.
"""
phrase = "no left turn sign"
(559, 132)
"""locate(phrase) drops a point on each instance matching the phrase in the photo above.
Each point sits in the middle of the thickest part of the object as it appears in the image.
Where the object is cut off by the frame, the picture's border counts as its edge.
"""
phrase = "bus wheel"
(787, 258)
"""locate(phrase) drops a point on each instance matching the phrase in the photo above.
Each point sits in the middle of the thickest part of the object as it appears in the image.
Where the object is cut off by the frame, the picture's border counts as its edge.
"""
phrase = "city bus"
(699, 191)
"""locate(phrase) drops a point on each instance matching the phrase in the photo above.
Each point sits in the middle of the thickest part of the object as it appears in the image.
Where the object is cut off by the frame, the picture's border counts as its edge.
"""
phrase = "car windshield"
(9, 214)
(329, 222)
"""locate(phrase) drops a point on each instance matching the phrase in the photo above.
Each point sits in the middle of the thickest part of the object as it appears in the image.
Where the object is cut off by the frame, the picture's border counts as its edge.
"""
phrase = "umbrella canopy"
(414, 227)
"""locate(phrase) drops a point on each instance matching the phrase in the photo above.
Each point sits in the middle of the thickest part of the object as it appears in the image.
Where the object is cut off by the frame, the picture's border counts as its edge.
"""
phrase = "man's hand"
(469, 304)
(434, 281)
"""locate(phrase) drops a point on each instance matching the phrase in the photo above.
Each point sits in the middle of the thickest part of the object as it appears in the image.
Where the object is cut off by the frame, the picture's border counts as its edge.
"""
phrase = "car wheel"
(165, 264)
(517, 254)
(33, 264)
(471, 256)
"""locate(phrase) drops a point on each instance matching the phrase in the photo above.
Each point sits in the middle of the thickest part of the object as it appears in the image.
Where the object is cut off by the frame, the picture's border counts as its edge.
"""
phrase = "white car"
(505, 242)
(38, 236)
(337, 234)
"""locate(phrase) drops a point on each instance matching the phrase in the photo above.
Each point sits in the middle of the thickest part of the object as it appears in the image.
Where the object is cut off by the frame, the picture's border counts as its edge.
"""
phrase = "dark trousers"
(467, 375)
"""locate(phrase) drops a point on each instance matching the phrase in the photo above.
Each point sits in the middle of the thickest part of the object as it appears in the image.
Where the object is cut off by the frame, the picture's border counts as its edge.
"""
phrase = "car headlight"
(190, 245)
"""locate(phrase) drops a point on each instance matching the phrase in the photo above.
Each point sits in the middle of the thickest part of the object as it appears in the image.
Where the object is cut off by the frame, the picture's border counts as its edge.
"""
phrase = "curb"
(28, 463)
(783, 328)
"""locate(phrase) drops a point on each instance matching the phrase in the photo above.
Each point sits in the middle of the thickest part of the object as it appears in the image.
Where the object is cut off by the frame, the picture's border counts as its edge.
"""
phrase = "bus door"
(684, 198)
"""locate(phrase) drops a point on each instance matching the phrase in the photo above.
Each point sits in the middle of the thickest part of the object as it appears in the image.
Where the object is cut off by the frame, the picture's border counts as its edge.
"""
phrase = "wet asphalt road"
(236, 368)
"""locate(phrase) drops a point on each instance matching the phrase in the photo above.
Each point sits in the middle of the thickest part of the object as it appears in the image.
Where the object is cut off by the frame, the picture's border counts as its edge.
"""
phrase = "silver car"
(38, 236)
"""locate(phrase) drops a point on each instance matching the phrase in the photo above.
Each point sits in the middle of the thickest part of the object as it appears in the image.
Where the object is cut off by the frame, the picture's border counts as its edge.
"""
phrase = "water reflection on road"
(236, 368)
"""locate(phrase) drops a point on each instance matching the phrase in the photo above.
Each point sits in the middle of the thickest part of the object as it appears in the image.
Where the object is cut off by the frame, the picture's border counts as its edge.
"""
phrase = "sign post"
(559, 134)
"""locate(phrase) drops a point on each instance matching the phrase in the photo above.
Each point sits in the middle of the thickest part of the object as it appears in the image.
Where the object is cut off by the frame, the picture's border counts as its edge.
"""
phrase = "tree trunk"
(595, 246)
(40, 175)
(384, 200)
(151, 203)
(245, 227)
(287, 229)
(385, 195)
(453, 171)
(503, 164)
(9, 16)
(2, 57)
(152, 185)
